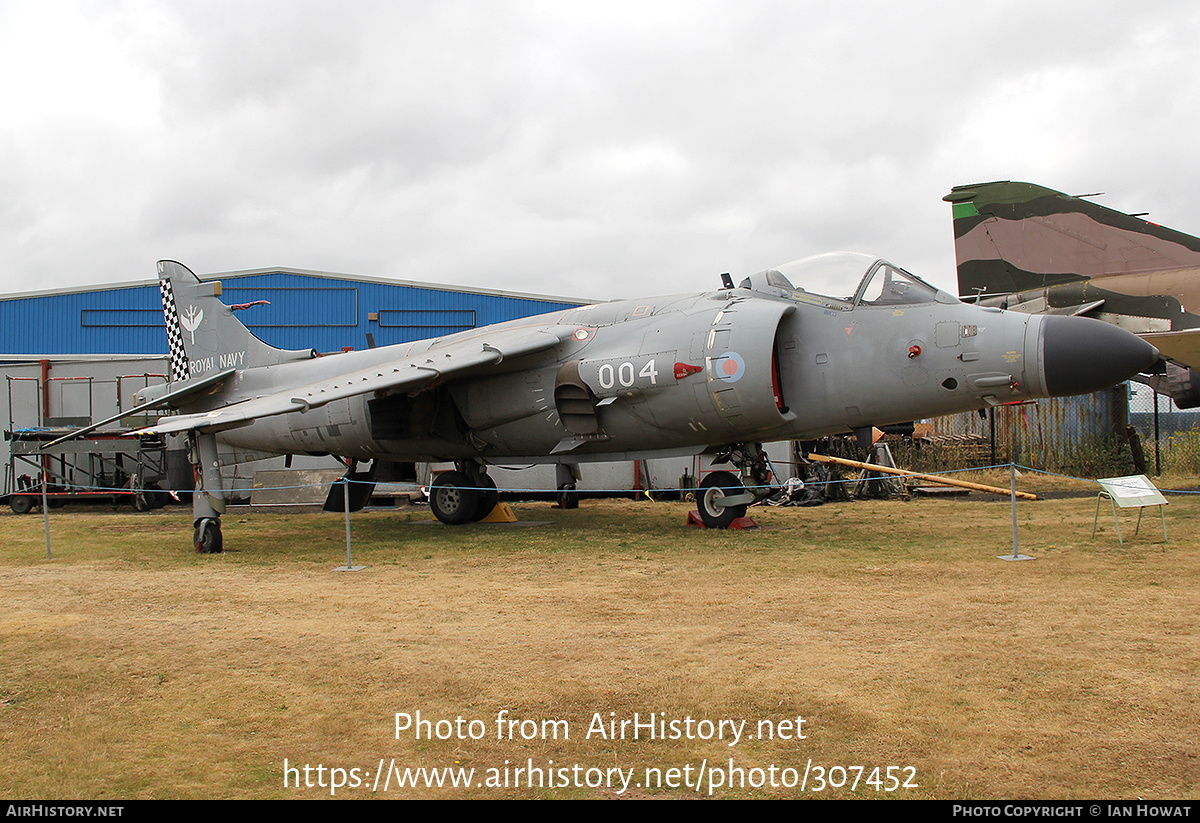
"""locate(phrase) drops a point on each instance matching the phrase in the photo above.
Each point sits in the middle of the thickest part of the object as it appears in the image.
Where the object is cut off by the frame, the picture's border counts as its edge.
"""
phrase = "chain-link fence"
(1170, 436)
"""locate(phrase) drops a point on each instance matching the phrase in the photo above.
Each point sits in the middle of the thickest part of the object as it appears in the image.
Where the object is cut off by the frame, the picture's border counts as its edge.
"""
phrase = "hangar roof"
(356, 278)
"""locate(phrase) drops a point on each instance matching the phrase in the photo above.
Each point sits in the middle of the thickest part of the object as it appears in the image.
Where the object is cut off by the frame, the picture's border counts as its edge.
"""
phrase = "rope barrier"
(76, 488)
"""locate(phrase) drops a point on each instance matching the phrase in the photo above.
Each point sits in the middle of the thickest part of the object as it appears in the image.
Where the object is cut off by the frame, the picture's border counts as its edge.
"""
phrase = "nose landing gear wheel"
(713, 490)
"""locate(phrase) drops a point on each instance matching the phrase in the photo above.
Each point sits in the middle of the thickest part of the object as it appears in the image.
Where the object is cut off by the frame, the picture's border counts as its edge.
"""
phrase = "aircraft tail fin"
(204, 336)
(1011, 237)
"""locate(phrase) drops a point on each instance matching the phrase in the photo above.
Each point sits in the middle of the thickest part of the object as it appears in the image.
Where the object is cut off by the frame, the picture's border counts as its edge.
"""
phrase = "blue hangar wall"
(307, 309)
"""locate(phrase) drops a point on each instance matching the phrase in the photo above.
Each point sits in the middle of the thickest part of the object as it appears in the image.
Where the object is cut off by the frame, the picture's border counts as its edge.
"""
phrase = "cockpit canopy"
(879, 282)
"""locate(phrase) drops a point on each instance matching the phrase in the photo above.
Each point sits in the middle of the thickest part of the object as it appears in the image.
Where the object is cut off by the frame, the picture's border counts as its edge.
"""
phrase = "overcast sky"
(594, 149)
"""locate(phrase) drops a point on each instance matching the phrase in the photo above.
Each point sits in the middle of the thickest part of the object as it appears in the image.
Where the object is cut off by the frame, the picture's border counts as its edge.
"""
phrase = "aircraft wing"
(409, 372)
(1181, 346)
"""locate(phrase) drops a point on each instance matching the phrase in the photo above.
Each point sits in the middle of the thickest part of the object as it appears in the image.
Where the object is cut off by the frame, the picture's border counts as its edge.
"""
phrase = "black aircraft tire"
(207, 537)
(488, 498)
(712, 488)
(568, 498)
(21, 503)
(453, 498)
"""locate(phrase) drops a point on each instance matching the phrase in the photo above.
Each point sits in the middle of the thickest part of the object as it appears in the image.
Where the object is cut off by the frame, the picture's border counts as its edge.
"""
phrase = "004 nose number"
(626, 373)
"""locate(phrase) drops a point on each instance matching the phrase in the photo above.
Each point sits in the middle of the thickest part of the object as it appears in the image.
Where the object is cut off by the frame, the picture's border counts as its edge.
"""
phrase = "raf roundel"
(729, 367)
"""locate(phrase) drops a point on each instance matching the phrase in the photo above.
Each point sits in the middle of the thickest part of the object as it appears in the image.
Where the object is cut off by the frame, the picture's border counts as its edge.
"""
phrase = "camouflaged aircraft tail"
(1015, 237)
(204, 336)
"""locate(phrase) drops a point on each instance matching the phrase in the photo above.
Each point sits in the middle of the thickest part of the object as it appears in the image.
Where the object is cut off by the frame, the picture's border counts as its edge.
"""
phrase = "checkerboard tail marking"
(179, 360)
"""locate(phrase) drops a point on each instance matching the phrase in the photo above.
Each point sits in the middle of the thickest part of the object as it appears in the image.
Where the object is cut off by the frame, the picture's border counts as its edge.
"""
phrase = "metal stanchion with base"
(1012, 491)
(349, 567)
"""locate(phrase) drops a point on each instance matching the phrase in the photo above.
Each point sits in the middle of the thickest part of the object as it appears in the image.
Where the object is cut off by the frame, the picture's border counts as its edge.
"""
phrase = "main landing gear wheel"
(454, 499)
(488, 498)
(207, 536)
(713, 490)
(568, 498)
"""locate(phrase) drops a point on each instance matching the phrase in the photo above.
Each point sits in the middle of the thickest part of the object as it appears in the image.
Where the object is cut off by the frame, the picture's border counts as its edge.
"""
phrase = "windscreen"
(890, 286)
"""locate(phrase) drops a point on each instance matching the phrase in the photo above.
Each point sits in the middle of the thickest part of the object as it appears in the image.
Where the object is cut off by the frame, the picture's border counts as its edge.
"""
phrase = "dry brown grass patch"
(134, 668)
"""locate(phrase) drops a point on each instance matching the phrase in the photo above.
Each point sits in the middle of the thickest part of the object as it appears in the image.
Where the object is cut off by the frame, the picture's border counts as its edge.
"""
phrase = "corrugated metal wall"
(322, 312)
(1048, 434)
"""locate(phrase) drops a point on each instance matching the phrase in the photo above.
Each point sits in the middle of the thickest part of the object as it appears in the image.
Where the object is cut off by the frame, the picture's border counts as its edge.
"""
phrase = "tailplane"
(204, 336)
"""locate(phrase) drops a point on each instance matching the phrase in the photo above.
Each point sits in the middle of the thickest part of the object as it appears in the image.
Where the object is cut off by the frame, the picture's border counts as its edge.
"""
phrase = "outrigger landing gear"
(465, 495)
(208, 500)
(723, 498)
(207, 536)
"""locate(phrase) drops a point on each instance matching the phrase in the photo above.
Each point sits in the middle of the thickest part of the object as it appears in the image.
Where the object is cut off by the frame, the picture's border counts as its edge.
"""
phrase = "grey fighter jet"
(723, 371)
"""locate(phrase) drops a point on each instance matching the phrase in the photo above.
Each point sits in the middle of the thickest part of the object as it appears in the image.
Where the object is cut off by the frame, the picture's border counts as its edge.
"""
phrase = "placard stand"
(1133, 492)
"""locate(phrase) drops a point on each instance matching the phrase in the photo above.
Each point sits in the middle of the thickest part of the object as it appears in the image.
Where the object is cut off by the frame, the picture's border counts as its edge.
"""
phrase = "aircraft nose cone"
(1082, 355)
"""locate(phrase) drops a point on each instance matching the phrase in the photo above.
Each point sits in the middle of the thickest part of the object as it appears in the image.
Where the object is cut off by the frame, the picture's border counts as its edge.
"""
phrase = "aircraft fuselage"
(675, 375)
